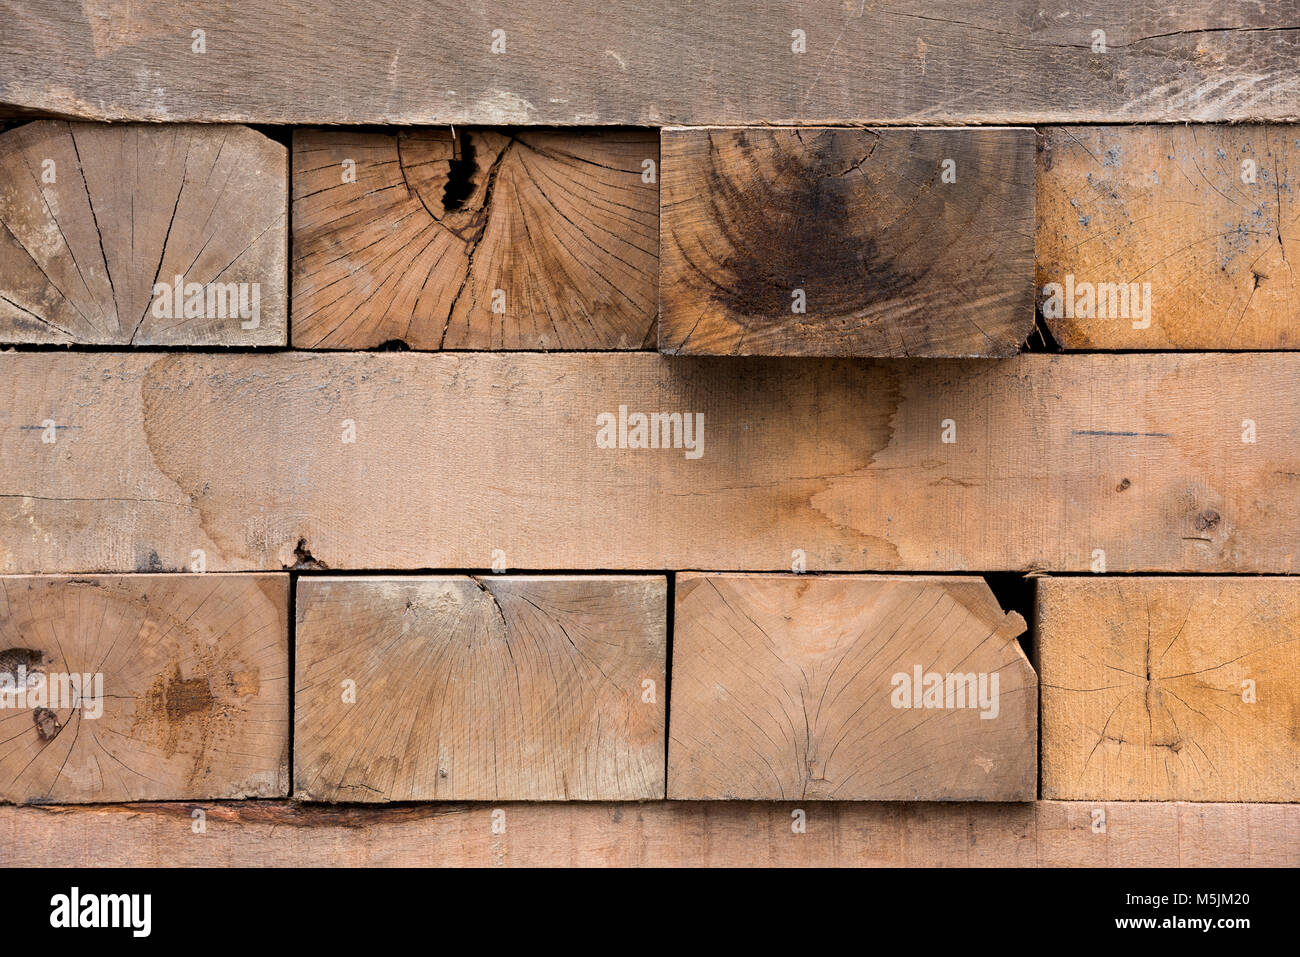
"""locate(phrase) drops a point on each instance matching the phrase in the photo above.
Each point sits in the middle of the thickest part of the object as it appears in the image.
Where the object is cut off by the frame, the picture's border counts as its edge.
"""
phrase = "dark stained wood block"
(846, 242)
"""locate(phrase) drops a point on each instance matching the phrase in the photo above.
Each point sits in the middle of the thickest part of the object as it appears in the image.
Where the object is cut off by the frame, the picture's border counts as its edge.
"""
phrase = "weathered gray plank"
(630, 62)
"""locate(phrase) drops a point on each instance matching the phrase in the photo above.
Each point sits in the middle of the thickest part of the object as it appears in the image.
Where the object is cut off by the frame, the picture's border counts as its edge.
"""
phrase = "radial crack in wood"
(1160, 689)
(475, 239)
(864, 688)
(144, 687)
(500, 688)
(142, 235)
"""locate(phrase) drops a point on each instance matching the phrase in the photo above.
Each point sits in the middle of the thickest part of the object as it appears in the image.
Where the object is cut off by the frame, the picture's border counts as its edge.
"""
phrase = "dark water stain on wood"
(12, 659)
(47, 724)
(811, 232)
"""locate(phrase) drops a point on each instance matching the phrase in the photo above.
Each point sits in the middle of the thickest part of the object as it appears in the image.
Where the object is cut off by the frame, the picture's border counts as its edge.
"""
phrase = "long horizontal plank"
(1169, 237)
(515, 687)
(143, 235)
(386, 460)
(144, 688)
(846, 242)
(664, 834)
(849, 687)
(1158, 689)
(628, 62)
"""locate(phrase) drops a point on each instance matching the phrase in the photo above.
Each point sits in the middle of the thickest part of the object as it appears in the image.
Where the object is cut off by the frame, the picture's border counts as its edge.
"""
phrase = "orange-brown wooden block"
(1169, 237)
(461, 688)
(1170, 689)
(848, 687)
(139, 234)
(846, 242)
(143, 687)
(475, 239)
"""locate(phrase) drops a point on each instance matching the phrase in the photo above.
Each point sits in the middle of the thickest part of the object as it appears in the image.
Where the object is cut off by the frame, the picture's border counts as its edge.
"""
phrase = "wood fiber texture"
(93, 218)
(485, 239)
(787, 687)
(847, 242)
(1067, 463)
(660, 834)
(494, 688)
(632, 63)
(1170, 689)
(1171, 237)
(192, 701)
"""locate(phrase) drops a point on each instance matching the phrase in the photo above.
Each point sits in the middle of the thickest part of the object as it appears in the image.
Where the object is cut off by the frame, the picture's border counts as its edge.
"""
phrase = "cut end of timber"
(142, 235)
(839, 687)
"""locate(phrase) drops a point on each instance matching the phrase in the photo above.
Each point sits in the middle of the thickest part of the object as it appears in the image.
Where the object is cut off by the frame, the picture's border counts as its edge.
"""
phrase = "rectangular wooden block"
(1169, 237)
(480, 688)
(1170, 688)
(846, 242)
(143, 687)
(475, 239)
(863, 688)
(391, 461)
(658, 834)
(146, 235)
(627, 62)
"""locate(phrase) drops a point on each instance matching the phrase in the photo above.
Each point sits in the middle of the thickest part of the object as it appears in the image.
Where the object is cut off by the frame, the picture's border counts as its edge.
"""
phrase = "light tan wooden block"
(98, 222)
(790, 687)
(1169, 237)
(1160, 689)
(500, 688)
(144, 687)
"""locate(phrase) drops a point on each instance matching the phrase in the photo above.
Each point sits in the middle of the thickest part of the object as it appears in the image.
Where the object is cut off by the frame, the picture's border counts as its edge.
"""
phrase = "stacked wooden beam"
(862, 457)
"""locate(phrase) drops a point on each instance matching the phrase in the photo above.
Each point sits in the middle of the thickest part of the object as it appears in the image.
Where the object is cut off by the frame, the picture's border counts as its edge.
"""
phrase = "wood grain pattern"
(659, 834)
(624, 62)
(492, 688)
(93, 219)
(484, 239)
(192, 698)
(788, 687)
(455, 456)
(1170, 688)
(844, 242)
(1197, 225)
